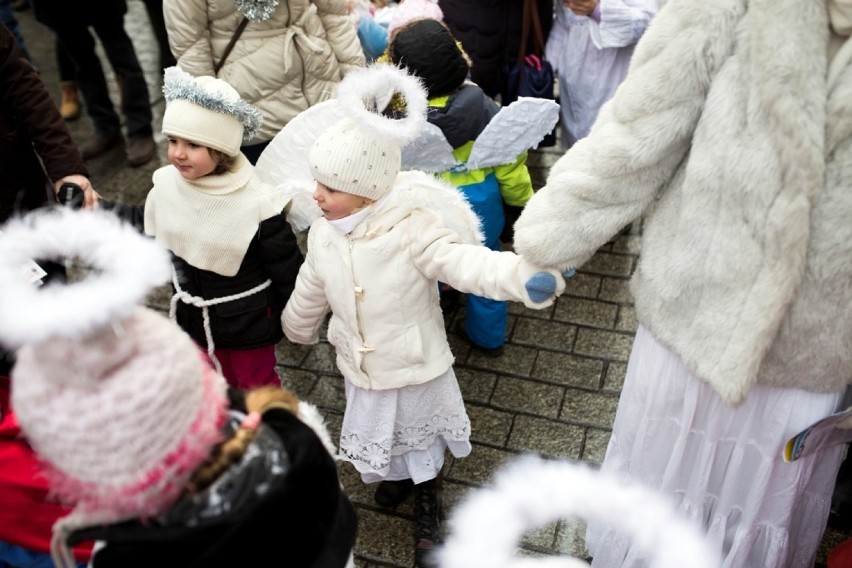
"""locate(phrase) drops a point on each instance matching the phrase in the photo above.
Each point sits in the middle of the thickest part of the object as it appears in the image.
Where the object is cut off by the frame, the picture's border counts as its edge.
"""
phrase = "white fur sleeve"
(608, 179)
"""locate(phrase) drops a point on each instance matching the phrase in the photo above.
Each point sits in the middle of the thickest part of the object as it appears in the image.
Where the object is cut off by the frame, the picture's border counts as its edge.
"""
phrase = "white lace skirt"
(723, 466)
(403, 433)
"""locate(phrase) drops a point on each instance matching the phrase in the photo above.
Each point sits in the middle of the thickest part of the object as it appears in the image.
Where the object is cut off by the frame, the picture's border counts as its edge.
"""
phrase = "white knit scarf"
(210, 221)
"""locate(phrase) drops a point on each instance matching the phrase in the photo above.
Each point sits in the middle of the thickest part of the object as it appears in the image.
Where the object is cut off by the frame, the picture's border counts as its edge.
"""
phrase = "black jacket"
(303, 520)
(247, 323)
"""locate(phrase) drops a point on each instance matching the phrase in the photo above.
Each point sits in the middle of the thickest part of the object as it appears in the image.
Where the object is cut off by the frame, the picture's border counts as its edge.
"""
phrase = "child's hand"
(541, 287)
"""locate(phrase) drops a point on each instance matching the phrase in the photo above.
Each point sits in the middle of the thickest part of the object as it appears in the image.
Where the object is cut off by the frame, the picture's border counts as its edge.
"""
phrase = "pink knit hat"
(410, 10)
(121, 411)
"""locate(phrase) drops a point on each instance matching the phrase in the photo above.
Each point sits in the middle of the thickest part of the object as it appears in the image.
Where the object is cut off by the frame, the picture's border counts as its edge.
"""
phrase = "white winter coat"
(733, 135)
(282, 65)
(381, 284)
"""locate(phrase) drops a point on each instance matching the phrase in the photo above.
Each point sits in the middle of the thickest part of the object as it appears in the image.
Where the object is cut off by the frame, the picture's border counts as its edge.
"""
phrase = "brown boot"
(427, 512)
(99, 144)
(140, 150)
(69, 106)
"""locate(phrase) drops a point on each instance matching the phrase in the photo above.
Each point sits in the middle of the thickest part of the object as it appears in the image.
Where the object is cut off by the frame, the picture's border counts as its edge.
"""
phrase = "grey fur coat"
(732, 135)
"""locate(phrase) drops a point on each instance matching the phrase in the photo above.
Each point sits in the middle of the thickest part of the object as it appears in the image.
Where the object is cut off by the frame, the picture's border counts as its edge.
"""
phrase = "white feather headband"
(178, 84)
(485, 529)
(365, 93)
(127, 265)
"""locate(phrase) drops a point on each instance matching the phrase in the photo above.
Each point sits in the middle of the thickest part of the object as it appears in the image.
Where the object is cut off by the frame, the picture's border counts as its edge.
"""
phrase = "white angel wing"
(429, 152)
(446, 200)
(283, 164)
(514, 129)
(285, 159)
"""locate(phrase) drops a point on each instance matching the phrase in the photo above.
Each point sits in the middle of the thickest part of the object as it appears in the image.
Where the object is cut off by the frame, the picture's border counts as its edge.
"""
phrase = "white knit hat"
(208, 111)
(411, 10)
(117, 401)
(360, 154)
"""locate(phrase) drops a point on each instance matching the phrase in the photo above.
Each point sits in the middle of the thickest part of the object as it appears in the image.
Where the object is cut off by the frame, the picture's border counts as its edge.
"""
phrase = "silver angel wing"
(514, 129)
(429, 152)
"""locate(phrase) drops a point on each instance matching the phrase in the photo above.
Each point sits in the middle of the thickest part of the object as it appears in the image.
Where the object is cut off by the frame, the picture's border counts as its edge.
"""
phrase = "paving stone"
(489, 426)
(302, 383)
(614, 377)
(604, 344)
(516, 360)
(607, 264)
(475, 385)
(546, 438)
(589, 408)
(290, 354)
(527, 396)
(593, 313)
(616, 290)
(595, 448)
(570, 539)
(384, 537)
(479, 467)
(547, 334)
(626, 319)
(569, 370)
(321, 358)
(329, 393)
(581, 285)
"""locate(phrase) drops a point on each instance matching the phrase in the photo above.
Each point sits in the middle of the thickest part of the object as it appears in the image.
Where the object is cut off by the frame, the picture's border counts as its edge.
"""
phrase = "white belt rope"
(199, 302)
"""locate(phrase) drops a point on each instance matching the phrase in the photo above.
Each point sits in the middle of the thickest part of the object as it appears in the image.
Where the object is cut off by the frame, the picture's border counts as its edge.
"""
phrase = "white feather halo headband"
(127, 266)
(366, 92)
(485, 528)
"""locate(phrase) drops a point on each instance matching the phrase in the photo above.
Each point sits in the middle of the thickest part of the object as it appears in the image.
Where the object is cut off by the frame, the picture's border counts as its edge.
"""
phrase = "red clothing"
(27, 515)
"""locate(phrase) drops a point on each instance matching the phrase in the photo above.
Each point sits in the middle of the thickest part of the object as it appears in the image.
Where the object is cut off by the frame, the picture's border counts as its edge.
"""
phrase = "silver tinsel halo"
(256, 10)
(178, 84)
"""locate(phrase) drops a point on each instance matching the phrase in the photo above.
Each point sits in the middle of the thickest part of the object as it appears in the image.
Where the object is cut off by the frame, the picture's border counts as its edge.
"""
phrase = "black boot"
(427, 511)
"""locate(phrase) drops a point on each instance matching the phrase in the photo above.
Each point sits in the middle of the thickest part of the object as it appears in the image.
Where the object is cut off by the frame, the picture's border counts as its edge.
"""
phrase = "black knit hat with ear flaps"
(428, 50)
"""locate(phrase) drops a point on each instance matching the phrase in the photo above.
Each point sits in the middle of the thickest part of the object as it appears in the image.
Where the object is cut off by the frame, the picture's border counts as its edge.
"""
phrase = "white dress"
(403, 433)
(723, 466)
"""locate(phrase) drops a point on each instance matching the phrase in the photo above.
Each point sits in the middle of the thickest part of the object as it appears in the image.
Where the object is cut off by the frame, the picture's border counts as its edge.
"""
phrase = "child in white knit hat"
(235, 256)
(374, 260)
(135, 430)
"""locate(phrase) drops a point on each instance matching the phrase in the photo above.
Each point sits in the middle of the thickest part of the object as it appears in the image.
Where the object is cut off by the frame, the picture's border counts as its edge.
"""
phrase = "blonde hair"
(231, 450)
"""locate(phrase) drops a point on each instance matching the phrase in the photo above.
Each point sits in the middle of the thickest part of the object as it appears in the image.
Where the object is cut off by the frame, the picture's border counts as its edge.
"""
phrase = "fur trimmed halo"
(178, 84)
(127, 265)
(365, 93)
(532, 492)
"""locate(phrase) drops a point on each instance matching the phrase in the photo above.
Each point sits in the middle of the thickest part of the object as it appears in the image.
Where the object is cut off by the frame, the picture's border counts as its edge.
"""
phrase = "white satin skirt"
(722, 466)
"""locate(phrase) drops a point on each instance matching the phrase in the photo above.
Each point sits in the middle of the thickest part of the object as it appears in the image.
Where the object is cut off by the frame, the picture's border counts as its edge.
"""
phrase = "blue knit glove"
(569, 273)
(541, 286)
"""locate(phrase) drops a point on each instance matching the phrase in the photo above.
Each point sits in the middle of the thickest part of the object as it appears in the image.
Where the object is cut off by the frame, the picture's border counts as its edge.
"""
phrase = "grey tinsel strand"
(248, 115)
(256, 10)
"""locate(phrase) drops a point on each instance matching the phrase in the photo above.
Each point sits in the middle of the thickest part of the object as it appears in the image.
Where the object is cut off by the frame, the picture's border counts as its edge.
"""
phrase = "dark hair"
(224, 162)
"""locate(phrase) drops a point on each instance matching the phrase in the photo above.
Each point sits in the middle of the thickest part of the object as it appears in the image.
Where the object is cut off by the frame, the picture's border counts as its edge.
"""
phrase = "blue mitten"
(569, 273)
(541, 286)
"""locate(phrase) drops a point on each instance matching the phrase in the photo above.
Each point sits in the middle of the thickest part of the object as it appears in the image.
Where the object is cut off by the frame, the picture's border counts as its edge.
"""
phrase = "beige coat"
(732, 135)
(381, 284)
(282, 65)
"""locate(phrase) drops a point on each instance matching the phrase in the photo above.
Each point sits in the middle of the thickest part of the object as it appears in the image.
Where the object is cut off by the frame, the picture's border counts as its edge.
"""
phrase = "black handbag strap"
(531, 20)
(237, 33)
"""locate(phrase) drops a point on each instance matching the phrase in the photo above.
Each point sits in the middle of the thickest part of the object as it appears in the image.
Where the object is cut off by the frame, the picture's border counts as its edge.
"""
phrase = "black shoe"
(493, 352)
(391, 493)
(427, 512)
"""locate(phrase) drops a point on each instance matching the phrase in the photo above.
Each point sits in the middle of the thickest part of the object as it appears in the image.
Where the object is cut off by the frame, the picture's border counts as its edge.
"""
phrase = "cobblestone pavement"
(553, 393)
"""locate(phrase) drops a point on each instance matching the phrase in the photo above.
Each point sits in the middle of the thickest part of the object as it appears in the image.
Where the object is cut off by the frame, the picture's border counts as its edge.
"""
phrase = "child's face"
(191, 159)
(337, 204)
